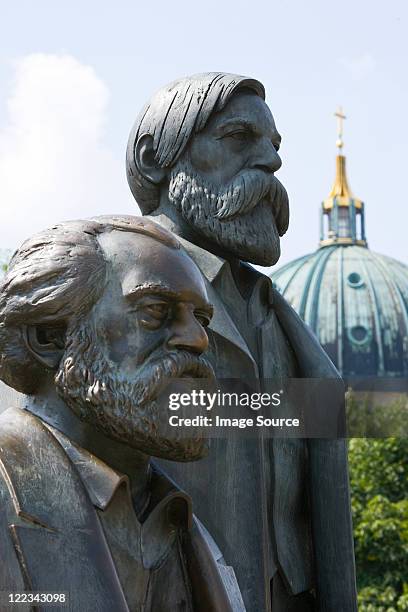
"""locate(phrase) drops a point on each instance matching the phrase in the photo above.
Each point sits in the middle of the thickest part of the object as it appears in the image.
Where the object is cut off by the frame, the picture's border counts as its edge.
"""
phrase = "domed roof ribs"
(306, 289)
(340, 310)
(319, 269)
(375, 310)
(399, 271)
(396, 292)
(296, 265)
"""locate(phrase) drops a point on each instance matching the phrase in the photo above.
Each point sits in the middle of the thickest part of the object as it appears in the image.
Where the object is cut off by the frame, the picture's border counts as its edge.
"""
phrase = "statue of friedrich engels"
(201, 159)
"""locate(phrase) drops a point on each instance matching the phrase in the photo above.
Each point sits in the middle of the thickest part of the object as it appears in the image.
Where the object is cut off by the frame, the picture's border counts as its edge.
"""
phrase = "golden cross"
(340, 116)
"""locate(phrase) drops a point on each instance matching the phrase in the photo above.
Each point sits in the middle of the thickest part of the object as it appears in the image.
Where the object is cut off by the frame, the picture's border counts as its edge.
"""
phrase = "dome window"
(359, 334)
(355, 280)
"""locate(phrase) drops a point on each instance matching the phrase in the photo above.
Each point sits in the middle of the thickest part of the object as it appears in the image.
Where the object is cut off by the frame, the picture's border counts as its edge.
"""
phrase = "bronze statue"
(201, 160)
(97, 317)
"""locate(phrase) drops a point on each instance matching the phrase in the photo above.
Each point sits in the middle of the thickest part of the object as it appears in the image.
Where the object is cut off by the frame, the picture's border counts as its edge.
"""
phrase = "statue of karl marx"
(97, 319)
(201, 159)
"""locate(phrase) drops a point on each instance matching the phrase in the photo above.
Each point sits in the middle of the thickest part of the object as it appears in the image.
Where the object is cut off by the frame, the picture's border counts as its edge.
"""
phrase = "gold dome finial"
(340, 187)
(341, 210)
(340, 117)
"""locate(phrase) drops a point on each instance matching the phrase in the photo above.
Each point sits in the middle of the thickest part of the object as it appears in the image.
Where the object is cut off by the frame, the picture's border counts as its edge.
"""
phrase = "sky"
(74, 75)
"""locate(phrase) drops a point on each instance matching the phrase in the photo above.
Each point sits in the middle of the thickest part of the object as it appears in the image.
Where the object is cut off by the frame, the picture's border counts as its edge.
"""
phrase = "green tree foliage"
(369, 417)
(379, 489)
(5, 256)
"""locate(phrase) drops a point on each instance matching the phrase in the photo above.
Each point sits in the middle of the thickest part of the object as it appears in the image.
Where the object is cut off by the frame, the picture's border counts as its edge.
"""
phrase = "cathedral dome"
(355, 300)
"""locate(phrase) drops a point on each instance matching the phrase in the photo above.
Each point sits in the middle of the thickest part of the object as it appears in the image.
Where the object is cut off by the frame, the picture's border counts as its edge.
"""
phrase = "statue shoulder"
(29, 453)
(13, 439)
(17, 426)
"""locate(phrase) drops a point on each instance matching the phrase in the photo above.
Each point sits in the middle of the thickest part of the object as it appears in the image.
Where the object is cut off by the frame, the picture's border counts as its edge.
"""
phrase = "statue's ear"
(46, 344)
(145, 160)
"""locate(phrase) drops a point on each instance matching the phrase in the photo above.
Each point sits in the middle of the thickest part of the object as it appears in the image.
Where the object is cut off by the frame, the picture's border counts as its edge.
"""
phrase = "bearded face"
(244, 217)
(125, 406)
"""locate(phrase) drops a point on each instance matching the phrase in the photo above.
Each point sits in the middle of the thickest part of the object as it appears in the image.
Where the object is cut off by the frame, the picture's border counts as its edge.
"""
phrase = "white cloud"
(359, 67)
(54, 164)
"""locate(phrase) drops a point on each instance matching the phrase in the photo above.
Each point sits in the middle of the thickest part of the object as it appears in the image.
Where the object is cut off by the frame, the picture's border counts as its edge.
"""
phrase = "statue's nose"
(266, 156)
(187, 333)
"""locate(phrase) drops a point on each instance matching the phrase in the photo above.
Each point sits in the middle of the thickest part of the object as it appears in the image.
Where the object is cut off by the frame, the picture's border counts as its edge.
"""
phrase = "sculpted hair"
(172, 116)
(54, 279)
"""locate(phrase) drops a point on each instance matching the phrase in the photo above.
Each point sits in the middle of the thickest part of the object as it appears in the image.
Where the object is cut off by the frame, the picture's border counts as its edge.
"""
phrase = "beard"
(126, 408)
(245, 218)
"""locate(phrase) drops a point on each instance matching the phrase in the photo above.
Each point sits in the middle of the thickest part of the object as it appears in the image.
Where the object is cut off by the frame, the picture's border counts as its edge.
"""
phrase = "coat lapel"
(56, 532)
(219, 592)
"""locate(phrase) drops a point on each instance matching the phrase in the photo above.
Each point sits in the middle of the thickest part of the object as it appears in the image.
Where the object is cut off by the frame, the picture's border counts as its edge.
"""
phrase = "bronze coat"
(51, 539)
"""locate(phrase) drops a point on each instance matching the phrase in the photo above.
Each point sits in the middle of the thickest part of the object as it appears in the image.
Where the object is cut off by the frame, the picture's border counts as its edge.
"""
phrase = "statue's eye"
(203, 318)
(238, 135)
(276, 146)
(158, 310)
(152, 315)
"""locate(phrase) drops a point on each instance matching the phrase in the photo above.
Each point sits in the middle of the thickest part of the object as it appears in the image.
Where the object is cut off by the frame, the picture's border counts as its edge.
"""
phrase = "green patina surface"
(356, 302)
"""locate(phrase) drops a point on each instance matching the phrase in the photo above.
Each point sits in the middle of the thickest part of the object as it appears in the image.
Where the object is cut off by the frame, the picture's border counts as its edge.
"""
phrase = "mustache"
(155, 374)
(247, 190)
